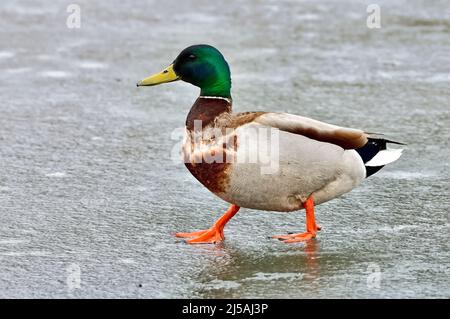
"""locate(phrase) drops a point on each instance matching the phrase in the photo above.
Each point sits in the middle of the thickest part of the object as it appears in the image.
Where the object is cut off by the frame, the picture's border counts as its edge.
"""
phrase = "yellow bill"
(165, 76)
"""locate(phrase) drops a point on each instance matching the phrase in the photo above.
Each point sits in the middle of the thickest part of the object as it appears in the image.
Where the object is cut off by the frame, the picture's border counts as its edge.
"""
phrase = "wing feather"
(347, 138)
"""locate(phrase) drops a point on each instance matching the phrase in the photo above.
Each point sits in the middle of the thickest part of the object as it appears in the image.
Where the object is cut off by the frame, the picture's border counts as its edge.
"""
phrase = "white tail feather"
(385, 157)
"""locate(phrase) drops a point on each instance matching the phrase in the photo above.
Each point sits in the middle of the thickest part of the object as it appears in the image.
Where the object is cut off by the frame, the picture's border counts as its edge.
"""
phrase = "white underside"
(304, 167)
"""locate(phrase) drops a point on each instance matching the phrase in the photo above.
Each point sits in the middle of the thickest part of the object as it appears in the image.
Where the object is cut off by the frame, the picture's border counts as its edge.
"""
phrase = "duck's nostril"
(165, 71)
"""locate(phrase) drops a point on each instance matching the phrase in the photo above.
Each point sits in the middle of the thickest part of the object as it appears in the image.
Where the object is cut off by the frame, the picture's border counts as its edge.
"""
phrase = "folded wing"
(347, 138)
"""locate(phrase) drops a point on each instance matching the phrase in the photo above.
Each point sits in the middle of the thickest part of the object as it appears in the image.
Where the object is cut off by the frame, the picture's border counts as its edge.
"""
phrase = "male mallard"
(314, 161)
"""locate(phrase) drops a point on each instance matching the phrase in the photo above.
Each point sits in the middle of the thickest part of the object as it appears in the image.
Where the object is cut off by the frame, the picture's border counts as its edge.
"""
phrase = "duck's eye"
(192, 57)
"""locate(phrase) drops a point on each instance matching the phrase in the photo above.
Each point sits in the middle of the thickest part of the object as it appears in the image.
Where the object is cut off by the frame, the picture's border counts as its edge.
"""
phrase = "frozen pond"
(88, 190)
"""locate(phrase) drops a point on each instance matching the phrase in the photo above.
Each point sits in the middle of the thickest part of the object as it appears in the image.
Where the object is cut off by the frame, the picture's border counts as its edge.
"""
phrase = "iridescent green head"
(201, 65)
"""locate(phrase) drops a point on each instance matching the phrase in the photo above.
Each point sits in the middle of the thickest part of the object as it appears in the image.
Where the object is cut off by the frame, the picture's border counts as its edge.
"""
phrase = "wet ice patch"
(45, 57)
(92, 65)
(436, 78)
(56, 174)
(223, 284)
(37, 253)
(127, 261)
(4, 189)
(6, 54)
(308, 17)
(397, 228)
(404, 175)
(11, 241)
(339, 78)
(198, 17)
(258, 53)
(254, 77)
(262, 276)
(414, 76)
(55, 74)
(17, 70)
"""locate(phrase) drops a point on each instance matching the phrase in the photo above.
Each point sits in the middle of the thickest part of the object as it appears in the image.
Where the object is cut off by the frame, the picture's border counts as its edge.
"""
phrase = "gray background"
(85, 173)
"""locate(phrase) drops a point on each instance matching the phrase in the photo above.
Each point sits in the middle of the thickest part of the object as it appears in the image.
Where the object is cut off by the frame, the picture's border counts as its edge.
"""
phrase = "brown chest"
(211, 142)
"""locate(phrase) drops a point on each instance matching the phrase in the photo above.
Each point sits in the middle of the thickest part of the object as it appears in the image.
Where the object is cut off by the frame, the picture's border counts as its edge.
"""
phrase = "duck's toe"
(295, 238)
(208, 236)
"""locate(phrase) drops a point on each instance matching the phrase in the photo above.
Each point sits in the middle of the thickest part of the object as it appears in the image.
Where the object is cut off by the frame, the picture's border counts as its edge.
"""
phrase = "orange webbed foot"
(295, 238)
(215, 233)
(208, 236)
(311, 226)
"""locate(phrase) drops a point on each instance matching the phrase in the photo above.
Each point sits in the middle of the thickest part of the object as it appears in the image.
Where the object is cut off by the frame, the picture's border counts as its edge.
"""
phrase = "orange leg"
(311, 226)
(215, 233)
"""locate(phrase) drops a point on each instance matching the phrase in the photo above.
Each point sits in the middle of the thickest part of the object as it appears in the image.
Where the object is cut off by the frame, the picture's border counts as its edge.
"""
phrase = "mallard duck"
(312, 161)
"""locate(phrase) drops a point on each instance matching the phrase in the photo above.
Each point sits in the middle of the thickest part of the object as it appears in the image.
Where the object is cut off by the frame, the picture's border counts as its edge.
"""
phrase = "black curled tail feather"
(370, 149)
